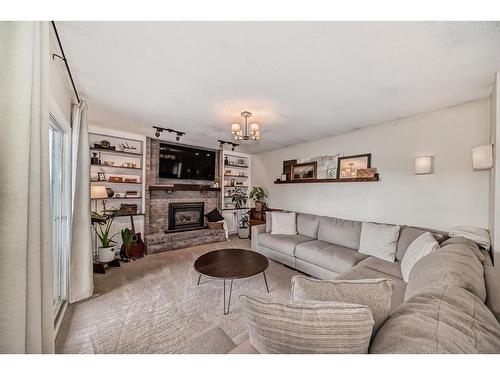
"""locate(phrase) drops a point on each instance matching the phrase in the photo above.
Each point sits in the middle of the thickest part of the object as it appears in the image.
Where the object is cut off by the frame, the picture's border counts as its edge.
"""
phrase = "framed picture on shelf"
(348, 165)
(287, 168)
(101, 176)
(304, 171)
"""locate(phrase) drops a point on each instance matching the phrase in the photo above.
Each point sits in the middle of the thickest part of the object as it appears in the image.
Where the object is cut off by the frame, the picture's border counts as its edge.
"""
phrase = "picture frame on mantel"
(348, 165)
(304, 171)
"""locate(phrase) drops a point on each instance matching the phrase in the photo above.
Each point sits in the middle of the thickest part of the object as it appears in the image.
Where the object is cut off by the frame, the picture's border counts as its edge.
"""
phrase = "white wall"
(453, 195)
(59, 83)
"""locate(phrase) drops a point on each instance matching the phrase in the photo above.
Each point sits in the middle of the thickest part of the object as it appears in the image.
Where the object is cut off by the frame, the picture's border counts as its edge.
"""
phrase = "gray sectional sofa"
(440, 310)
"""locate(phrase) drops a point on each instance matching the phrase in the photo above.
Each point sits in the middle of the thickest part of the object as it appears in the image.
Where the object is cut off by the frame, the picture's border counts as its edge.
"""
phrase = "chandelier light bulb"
(235, 128)
(254, 127)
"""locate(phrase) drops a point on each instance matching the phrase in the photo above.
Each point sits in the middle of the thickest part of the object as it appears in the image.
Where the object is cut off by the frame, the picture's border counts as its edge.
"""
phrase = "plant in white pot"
(244, 225)
(239, 198)
(258, 195)
(102, 226)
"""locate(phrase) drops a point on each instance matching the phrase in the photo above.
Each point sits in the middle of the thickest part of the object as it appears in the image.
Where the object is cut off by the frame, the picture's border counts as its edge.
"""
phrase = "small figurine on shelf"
(94, 160)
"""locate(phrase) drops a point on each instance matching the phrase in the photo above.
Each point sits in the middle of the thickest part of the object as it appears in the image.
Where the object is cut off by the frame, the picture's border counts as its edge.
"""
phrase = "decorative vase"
(106, 254)
(243, 233)
(110, 192)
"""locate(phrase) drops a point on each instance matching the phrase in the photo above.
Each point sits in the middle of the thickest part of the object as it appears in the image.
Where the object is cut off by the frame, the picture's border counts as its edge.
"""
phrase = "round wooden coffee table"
(231, 264)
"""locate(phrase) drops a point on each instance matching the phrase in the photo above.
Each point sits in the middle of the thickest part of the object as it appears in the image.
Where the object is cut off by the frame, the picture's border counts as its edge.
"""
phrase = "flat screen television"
(186, 163)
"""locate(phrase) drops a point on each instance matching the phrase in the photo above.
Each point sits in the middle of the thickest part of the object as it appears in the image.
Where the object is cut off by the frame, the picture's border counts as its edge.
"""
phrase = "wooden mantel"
(184, 187)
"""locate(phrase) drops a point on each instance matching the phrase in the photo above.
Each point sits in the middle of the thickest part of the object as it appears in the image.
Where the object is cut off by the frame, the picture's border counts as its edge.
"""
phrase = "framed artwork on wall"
(348, 165)
(304, 171)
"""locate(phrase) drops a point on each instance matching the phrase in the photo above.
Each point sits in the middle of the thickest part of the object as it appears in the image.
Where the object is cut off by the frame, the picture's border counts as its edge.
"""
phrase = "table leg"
(265, 280)
(199, 278)
(224, 296)
(229, 302)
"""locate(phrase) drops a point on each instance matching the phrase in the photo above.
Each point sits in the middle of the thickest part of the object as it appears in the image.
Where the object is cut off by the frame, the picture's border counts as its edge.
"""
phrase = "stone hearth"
(160, 242)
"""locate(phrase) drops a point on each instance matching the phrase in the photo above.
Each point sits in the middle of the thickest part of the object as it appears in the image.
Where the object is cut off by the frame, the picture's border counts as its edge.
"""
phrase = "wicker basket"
(215, 225)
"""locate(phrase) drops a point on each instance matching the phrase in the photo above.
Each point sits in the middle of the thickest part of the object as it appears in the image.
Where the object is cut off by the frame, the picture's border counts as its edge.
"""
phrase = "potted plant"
(257, 194)
(239, 198)
(244, 225)
(102, 227)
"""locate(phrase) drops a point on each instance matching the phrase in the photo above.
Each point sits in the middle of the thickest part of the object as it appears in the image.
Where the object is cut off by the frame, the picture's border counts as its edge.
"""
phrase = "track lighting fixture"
(222, 143)
(178, 134)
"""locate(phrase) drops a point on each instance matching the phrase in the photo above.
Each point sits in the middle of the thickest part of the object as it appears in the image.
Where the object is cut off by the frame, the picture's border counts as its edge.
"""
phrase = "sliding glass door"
(60, 209)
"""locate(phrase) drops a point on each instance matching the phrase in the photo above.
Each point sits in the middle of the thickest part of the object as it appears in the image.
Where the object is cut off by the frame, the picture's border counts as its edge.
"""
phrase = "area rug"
(153, 305)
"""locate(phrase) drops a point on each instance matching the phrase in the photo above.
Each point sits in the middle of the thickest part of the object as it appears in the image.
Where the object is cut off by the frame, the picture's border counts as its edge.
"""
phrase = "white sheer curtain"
(81, 283)
(26, 314)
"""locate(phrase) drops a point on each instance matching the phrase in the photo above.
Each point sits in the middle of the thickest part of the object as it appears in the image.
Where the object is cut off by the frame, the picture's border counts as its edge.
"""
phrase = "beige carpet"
(153, 305)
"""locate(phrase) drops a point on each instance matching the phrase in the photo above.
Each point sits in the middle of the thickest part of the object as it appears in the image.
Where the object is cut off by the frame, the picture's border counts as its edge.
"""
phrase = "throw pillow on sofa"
(379, 240)
(312, 327)
(376, 294)
(283, 223)
(422, 246)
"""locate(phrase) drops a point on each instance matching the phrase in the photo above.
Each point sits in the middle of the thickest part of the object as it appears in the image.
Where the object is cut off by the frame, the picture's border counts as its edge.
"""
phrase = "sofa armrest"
(256, 231)
(492, 280)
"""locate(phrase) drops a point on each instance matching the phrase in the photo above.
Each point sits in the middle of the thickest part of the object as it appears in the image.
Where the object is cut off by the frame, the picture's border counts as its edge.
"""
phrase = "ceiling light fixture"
(244, 134)
(222, 143)
(159, 130)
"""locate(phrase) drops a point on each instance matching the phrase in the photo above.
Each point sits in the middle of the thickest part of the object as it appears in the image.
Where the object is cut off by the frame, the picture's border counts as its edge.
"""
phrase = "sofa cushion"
(332, 257)
(284, 243)
(418, 249)
(213, 341)
(339, 232)
(319, 327)
(359, 273)
(307, 225)
(455, 263)
(284, 223)
(374, 293)
(244, 348)
(408, 234)
(379, 240)
(389, 268)
(440, 319)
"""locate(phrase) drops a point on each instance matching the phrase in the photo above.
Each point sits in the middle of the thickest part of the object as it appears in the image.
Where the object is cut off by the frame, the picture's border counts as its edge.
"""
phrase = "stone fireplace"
(185, 216)
(175, 209)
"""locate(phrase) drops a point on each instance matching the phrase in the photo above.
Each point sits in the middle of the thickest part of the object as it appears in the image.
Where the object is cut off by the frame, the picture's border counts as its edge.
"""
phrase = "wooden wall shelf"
(329, 180)
(184, 187)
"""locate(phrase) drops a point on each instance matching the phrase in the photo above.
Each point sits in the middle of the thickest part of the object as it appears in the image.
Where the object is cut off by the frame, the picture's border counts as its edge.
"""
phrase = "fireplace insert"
(186, 216)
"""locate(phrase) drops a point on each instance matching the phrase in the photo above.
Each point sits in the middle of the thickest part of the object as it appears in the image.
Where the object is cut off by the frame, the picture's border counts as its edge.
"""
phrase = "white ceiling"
(302, 80)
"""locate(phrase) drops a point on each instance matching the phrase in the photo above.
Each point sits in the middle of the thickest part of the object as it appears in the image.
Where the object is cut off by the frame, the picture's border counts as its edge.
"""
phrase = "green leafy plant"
(244, 220)
(102, 226)
(257, 194)
(238, 197)
(127, 237)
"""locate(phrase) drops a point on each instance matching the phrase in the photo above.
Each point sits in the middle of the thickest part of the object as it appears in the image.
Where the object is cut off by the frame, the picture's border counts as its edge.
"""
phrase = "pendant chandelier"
(245, 134)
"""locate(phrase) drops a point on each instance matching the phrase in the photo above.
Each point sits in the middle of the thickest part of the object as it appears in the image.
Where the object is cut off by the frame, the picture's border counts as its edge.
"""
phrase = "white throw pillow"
(419, 248)
(379, 240)
(283, 223)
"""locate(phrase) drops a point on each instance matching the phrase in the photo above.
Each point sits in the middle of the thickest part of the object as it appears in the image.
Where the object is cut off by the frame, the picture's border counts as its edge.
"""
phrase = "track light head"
(157, 133)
